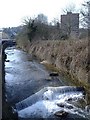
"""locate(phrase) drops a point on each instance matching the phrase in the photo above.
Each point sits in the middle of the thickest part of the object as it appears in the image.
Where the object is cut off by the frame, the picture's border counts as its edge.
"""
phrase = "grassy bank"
(68, 56)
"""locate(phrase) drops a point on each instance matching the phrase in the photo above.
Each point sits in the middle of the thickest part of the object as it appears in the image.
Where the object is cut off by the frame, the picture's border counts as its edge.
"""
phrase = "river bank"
(69, 56)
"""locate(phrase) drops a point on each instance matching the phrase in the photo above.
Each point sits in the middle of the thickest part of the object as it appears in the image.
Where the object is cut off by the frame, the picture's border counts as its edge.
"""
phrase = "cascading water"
(50, 100)
(49, 93)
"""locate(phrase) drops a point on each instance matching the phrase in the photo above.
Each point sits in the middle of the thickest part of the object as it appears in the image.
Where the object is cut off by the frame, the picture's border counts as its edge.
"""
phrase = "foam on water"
(46, 108)
(50, 93)
(47, 100)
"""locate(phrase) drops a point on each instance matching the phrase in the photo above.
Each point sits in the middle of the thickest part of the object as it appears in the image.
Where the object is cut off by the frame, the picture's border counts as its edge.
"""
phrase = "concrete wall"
(0, 35)
(0, 88)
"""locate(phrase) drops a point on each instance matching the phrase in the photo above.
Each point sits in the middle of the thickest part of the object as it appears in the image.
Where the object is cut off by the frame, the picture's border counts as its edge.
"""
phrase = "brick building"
(70, 24)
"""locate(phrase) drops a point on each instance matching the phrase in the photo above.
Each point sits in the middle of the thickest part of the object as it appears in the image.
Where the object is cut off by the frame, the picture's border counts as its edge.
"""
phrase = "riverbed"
(34, 94)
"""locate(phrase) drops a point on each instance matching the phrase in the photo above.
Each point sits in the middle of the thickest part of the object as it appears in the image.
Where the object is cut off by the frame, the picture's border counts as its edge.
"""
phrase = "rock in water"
(7, 60)
(61, 113)
(87, 108)
(53, 74)
(60, 105)
(69, 107)
(69, 99)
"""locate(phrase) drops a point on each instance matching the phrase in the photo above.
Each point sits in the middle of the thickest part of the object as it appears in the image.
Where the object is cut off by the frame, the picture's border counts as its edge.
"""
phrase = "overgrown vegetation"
(47, 42)
(39, 29)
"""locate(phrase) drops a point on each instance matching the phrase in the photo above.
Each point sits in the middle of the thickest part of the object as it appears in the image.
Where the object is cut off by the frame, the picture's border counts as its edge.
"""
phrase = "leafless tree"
(41, 18)
(69, 8)
(85, 14)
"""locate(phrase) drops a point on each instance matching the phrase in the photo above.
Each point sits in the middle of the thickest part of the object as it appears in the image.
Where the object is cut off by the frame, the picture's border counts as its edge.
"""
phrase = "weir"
(49, 100)
(41, 95)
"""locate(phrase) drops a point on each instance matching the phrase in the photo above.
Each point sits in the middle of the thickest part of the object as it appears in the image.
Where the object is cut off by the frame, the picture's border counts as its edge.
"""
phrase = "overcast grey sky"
(13, 11)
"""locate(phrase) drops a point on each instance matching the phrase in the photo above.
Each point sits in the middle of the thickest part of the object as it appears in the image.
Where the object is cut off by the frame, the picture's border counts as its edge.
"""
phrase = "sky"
(12, 12)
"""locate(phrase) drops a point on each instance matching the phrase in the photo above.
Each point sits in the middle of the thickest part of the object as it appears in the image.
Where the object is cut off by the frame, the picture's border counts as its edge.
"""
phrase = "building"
(1, 34)
(5, 36)
(70, 24)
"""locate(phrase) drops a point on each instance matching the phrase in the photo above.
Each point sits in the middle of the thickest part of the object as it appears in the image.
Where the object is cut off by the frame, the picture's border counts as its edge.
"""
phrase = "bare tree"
(69, 8)
(41, 18)
(30, 28)
(85, 14)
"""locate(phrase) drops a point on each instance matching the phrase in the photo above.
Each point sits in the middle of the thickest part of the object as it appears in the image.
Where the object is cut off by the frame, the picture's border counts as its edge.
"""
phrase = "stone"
(48, 79)
(61, 113)
(69, 99)
(53, 74)
(44, 62)
(87, 108)
(69, 107)
(60, 105)
(7, 60)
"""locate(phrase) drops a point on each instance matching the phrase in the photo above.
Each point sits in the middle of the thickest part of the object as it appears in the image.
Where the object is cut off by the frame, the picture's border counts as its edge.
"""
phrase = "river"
(34, 94)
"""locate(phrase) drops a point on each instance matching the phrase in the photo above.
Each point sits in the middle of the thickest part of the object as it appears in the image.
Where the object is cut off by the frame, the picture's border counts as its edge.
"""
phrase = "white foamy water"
(47, 103)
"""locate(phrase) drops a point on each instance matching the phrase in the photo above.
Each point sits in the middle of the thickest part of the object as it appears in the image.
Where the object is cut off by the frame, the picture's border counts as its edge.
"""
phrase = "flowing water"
(33, 94)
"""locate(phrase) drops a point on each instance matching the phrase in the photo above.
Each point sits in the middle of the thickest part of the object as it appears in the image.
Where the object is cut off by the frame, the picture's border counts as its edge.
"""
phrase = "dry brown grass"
(70, 56)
